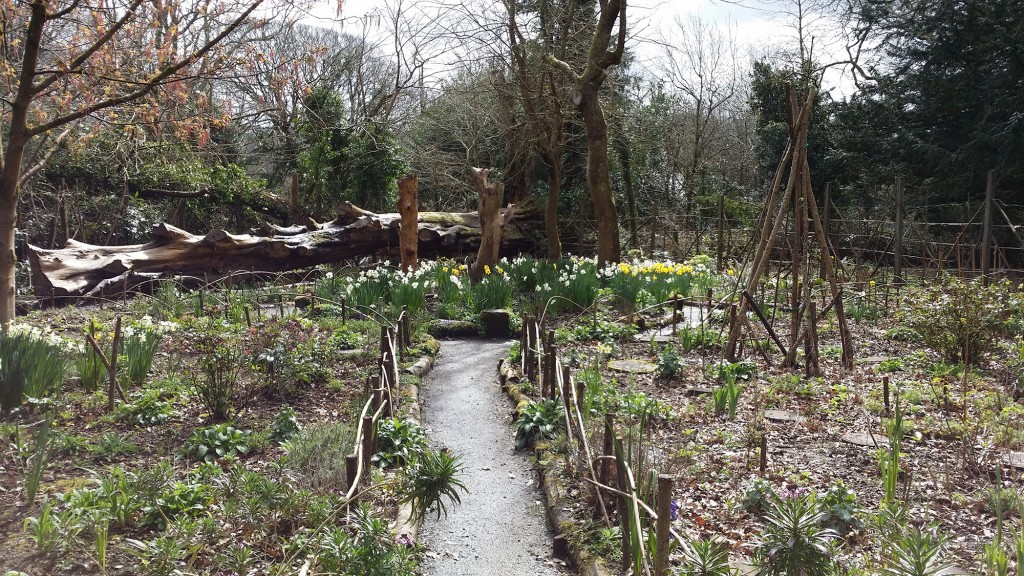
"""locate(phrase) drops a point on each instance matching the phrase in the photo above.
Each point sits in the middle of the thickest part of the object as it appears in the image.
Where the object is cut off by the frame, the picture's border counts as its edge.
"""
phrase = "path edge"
(406, 529)
(586, 564)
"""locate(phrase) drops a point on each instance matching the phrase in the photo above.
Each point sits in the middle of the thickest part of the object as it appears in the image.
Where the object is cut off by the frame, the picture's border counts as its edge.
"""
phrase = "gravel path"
(500, 529)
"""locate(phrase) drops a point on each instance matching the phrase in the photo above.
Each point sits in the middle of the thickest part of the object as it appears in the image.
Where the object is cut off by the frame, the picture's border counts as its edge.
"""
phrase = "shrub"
(704, 558)
(492, 292)
(215, 373)
(758, 496)
(430, 479)
(670, 363)
(286, 424)
(318, 453)
(399, 442)
(794, 542)
(370, 551)
(538, 420)
(959, 319)
(218, 441)
(917, 553)
(841, 511)
(146, 410)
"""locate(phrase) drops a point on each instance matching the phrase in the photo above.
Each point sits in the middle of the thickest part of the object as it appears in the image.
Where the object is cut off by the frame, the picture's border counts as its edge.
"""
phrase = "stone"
(452, 328)
(865, 439)
(783, 416)
(696, 391)
(1015, 459)
(631, 366)
(496, 323)
(654, 336)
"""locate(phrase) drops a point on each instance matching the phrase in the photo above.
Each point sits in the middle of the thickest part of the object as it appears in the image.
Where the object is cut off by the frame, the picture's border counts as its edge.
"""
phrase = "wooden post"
(623, 486)
(897, 275)
(664, 525)
(986, 230)
(844, 332)
(763, 464)
(351, 468)
(407, 327)
(408, 235)
(112, 369)
(367, 446)
(721, 231)
(344, 312)
(811, 367)
(885, 393)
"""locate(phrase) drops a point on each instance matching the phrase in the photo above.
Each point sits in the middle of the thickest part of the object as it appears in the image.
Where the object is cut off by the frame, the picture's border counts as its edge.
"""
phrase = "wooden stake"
(408, 235)
(664, 525)
(986, 234)
(366, 447)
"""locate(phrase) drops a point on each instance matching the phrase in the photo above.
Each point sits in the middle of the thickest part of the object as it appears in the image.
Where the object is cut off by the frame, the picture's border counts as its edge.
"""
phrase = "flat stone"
(783, 416)
(496, 323)
(696, 391)
(632, 366)
(654, 336)
(452, 328)
(865, 439)
(874, 359)
(1015, 459)
(951, 571)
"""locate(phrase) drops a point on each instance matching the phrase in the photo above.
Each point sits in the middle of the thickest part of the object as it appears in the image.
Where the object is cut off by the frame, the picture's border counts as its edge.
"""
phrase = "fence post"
(721, 231)
(623, 509)
(986, 234)
(826, 226)
(367, 446)
(897, 275)
(664, 524)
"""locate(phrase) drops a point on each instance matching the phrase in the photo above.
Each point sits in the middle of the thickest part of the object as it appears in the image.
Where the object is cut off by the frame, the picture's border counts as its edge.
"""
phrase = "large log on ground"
(86, 270)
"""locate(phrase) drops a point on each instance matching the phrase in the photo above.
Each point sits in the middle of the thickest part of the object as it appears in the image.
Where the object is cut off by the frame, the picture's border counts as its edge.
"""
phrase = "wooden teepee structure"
(798, 199)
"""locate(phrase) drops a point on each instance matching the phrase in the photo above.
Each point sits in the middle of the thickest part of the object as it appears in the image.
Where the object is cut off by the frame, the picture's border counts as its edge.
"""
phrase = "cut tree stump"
(81, 269)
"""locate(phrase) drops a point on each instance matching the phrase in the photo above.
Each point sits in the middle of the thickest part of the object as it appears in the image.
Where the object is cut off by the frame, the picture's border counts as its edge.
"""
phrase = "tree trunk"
(625, 159)
(551, 208)
(85, 270)
(598, 180)
(492, 222)
(408, 236)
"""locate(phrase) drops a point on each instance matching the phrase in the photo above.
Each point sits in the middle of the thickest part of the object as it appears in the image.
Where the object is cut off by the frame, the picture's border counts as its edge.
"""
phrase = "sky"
(757, 25)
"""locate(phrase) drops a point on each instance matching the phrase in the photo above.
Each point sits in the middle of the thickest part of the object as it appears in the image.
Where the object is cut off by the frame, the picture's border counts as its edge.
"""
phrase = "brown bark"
(605, 52)
(598, 181)
(492, 222)
(551, 208)
(409, 232)
(85, 270)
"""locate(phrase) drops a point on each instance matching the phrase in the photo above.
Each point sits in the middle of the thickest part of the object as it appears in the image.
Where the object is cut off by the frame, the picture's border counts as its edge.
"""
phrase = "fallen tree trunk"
(87, 270)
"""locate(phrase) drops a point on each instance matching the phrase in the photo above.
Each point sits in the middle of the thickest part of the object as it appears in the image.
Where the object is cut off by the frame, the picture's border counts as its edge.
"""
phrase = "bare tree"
(605, 51)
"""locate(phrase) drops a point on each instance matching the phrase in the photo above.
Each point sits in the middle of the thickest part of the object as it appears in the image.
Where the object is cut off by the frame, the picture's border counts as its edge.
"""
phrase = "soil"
(499, 529)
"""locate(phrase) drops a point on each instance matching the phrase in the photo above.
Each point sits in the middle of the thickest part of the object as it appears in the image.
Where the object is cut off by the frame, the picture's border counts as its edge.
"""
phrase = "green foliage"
(758, 496)
(32, 364)
(704, 558)
(959, 319)
(670, 363)
(218, 441)
(636, 406)
(44, 529)
(318, 453)
(110, 444)
(292, 353)
(917, 553)
(175, 500)
(725, 398)
(214, 375)
(793, 542)
(698, 337)
(538, 420)
(841, 511)
(88, 365)
(492, 292)
(399, 442)
(42, 451)
(286, 424)
(370, 551)
(146, 410)
(431, 479)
